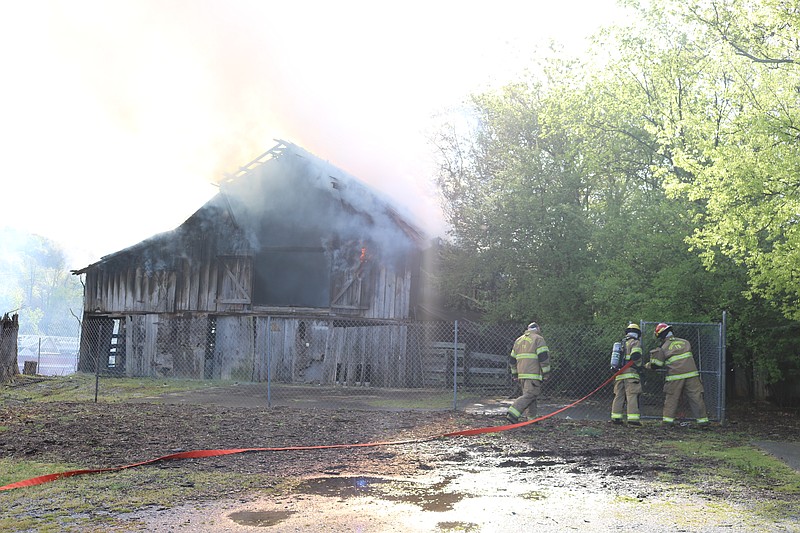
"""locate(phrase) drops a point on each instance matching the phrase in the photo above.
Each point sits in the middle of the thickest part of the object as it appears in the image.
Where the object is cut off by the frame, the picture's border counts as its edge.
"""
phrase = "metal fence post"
(723, 349)
(96, 372)
(455, 365)
(269, 365)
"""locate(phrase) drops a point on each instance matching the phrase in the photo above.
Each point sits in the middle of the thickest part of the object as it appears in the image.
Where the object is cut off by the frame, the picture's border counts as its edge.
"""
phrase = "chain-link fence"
(319, 362)
(51, 353)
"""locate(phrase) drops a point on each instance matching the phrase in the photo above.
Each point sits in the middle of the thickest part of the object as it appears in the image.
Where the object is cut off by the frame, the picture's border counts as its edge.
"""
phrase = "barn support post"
(455, 365)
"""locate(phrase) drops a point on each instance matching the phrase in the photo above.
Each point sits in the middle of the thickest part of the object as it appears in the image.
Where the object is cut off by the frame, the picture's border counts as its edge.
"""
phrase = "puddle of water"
(429, 501)
(260, 518)
(427, 497)
(343, 487)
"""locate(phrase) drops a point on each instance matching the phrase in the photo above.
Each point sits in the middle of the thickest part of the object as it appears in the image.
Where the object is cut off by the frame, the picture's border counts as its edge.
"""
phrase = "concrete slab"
(788, 452)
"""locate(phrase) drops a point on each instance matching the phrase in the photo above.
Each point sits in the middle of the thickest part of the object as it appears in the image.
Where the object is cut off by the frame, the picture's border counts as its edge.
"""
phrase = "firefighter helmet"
(662, 329)
(633, 328)
(533, 325)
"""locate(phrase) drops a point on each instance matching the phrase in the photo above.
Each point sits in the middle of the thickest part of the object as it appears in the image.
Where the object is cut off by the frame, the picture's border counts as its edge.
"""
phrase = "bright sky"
(117, 115)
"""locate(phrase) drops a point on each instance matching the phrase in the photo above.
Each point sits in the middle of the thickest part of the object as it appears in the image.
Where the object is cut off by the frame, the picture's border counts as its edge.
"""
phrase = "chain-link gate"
(315, 362)
(708, 347)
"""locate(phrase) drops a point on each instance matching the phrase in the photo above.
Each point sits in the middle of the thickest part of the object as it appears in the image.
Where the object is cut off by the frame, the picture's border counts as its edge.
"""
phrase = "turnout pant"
(531, 388)
(692, 388)
(626, 391)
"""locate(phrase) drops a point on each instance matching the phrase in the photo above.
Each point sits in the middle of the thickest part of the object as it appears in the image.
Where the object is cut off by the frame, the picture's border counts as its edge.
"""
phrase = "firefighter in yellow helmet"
(683, 378)
(628, 385)
(530, 364)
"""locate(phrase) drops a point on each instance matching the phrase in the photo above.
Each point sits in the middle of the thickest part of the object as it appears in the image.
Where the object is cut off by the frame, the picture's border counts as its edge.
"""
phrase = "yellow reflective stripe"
(676, 377)
(636, 350)
(678, 357)
(545, 369)
(514, 411)
(542, 349)
(657, 362)
(530, 376)
(633, 417)
(527, 356)
(628, 375)
(669, 420)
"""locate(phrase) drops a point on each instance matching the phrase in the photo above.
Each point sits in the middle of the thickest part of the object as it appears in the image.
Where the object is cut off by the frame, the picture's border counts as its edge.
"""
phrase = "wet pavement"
(492, 499)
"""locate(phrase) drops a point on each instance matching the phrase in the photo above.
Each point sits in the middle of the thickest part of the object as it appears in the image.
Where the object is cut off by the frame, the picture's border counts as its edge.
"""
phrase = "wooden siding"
(141, 333)
(234, 349)
(390, 295)
(130, 289)
(235, 283)
(180, 346)
(225, 284)
(365, 355)
(260, 348)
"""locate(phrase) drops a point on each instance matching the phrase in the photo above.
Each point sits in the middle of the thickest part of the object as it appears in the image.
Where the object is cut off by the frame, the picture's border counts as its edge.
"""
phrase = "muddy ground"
(555, 475)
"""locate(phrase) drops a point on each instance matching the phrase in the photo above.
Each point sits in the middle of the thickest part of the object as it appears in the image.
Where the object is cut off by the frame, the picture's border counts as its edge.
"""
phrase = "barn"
(294, 271)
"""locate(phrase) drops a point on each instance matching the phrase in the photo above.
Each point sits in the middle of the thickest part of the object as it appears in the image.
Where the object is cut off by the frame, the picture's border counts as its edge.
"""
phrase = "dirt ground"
(555, 475)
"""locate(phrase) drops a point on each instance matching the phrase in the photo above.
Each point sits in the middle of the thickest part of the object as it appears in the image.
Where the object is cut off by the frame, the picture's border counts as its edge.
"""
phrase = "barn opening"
(292, 277)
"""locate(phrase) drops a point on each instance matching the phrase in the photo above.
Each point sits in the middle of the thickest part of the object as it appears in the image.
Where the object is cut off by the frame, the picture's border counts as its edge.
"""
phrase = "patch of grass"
(626, 499)
(779, 510)
(432, 401)
(729, 461)
(80, 387)
(738, 463)
(12, 471)
(77, 503)
(534, 495)
(466, 527)
(588, 431)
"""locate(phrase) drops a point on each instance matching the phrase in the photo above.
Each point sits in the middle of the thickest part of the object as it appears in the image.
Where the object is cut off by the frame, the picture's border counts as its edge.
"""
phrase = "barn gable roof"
(287, 193)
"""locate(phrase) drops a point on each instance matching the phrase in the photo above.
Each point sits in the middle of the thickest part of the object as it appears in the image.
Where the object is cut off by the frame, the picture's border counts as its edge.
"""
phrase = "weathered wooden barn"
(295, 271)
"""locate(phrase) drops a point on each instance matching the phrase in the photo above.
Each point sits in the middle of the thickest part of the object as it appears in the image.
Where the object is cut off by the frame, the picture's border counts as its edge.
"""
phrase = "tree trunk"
(9, 328)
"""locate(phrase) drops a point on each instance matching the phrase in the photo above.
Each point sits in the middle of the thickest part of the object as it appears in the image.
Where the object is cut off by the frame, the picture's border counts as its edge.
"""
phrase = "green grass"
(81, 388)
(81, 502)
(745, 469)
(740, 463)
(13, 471)
(435, 401)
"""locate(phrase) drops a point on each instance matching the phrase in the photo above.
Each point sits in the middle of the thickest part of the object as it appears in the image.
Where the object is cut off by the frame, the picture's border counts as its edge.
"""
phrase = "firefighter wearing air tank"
(627, 385)
(530, 364)
(683, 378)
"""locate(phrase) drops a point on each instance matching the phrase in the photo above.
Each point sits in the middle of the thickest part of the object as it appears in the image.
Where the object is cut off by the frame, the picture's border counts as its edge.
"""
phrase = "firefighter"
(628, 385)
(530, 364)
(683, 378)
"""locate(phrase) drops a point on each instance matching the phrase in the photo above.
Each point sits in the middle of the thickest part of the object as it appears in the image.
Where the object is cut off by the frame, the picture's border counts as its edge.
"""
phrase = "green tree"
(718, 88)
(38, 284)
(515, 198)
(570, 193)
(735, 152)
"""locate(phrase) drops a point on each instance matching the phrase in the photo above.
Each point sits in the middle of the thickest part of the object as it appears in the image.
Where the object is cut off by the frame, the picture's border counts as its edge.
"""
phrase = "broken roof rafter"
(272, 153)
